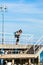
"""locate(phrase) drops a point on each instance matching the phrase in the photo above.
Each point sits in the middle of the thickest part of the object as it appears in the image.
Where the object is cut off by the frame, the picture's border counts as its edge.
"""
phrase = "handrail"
(39, 41)
(37, 44)
(9, 38)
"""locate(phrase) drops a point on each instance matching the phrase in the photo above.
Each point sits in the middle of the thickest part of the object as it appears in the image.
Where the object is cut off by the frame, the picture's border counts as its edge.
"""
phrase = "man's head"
(20, 31)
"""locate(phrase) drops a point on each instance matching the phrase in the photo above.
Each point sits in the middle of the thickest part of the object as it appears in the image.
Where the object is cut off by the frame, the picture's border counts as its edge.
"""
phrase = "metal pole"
(3, 27)
(2, 10)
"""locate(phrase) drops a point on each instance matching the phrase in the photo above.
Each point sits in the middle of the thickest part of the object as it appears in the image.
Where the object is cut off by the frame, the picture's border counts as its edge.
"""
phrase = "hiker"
(17, 35)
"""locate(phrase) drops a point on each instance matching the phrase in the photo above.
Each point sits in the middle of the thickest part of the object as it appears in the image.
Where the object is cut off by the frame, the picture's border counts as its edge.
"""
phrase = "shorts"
(17, 40)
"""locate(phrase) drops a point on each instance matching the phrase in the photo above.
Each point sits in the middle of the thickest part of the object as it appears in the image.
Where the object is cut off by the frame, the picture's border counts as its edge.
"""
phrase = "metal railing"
(10, 38)
(27, 39)
(38, 45)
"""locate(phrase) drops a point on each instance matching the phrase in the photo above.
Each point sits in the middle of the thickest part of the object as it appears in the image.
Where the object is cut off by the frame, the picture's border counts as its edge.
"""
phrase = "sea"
(41, 57)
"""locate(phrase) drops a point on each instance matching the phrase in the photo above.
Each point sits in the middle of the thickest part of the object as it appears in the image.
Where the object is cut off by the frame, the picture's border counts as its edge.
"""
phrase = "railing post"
(34, 48)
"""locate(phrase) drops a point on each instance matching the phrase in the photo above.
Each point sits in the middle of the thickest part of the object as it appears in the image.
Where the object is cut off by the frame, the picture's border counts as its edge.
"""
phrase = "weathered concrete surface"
(17, 56)
(10, 46)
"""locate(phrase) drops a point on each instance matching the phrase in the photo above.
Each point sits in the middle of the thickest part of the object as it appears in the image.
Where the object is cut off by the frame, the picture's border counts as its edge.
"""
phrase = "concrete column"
(29, 61)
(1, 61)
(38, 60)
(21, 62)
(12, 61)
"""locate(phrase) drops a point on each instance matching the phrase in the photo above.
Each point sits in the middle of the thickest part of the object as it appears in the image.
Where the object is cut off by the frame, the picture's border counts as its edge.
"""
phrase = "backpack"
(15, 35)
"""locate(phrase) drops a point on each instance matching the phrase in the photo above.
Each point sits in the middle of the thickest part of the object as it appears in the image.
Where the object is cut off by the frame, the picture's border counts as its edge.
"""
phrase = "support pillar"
(21, 61)
(38, 60)
(12, 61)
(1, 61)
(29, 61)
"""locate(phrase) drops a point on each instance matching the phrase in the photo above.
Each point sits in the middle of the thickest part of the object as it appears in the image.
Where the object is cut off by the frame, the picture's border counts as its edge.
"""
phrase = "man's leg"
(17, 40)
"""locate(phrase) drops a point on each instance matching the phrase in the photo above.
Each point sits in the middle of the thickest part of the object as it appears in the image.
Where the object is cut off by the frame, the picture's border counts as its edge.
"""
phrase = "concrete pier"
(12, 61)
(39, 60)
(22, 52)
(29, 61)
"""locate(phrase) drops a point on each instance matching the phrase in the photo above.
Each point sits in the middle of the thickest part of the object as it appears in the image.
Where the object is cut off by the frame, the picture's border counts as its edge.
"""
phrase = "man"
(17, 35)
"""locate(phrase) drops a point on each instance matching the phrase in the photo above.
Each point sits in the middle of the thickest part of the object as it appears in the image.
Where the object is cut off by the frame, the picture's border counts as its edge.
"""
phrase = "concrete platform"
(13, 46)
(17, 56)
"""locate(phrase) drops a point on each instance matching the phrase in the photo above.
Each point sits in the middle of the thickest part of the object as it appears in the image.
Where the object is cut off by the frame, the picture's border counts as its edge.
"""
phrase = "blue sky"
(23, 14)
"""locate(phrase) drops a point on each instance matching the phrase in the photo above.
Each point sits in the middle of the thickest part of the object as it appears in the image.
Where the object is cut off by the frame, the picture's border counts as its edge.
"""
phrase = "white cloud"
(24, 8)
(26, 19)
